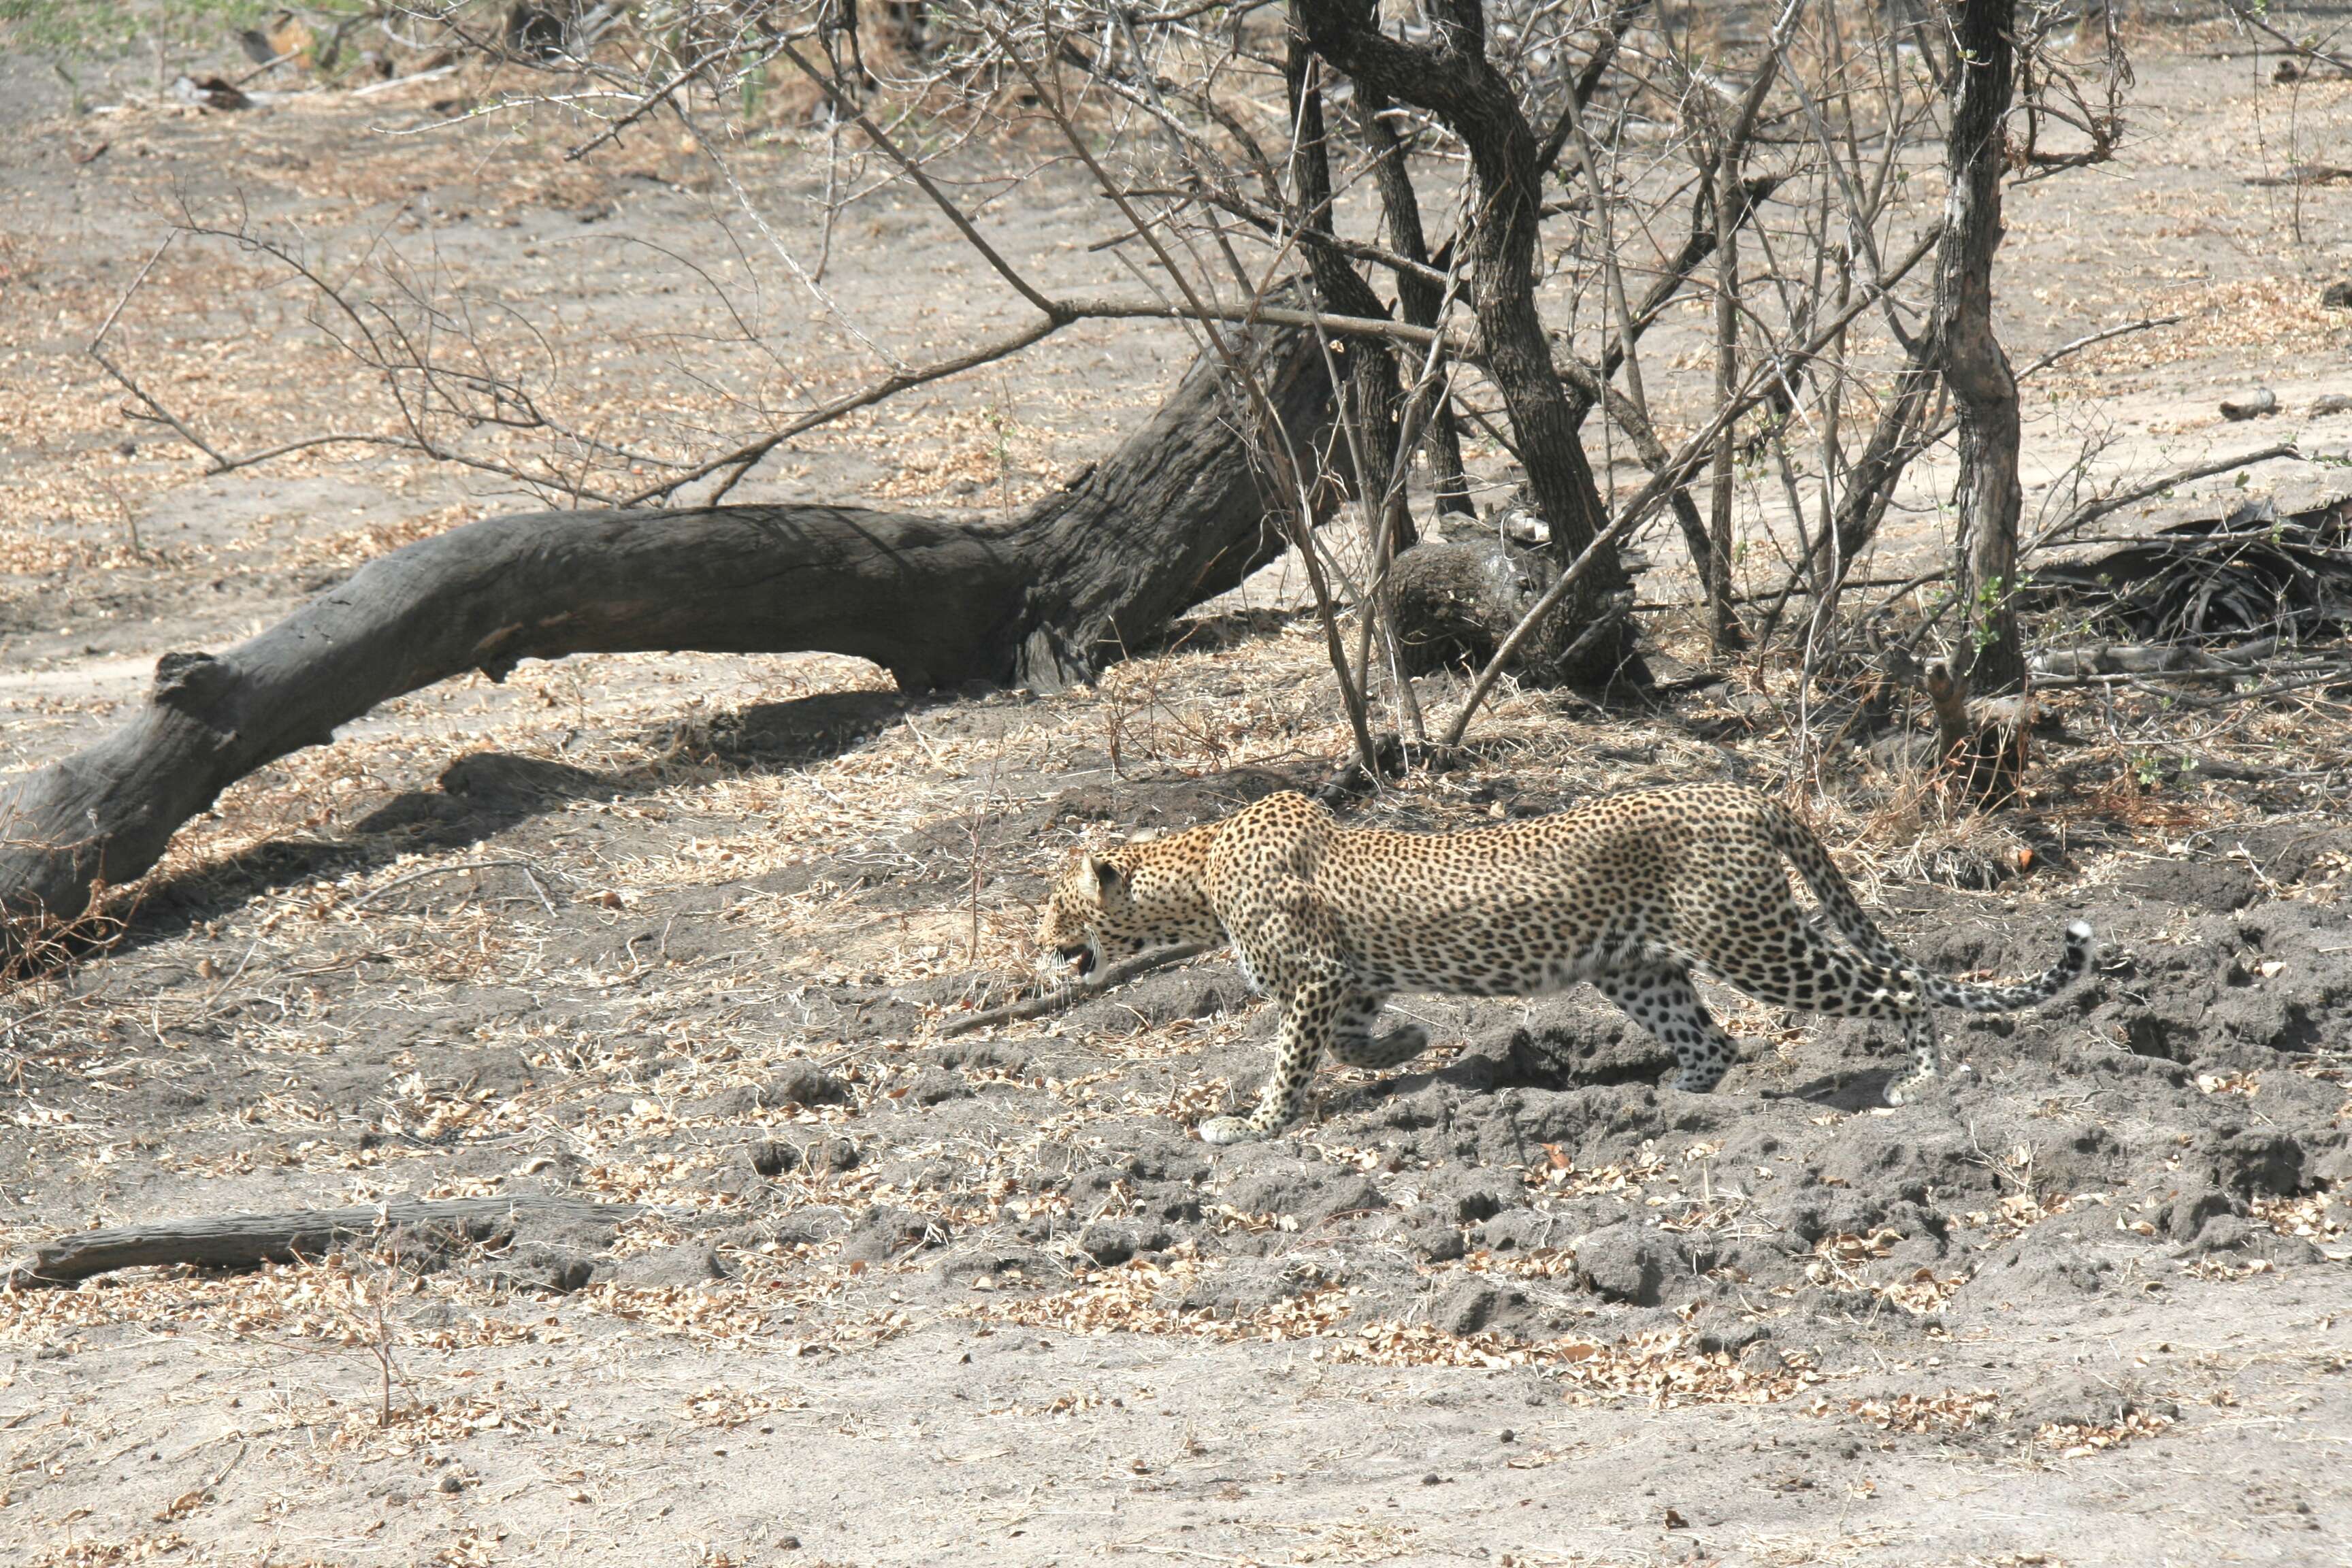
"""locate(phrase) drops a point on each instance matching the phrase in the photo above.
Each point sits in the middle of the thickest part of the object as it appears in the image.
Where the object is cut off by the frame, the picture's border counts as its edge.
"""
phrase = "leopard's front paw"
(1229, 1129)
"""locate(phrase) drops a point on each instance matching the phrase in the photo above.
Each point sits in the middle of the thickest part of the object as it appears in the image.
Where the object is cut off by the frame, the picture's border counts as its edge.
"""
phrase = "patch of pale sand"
(567, 1437)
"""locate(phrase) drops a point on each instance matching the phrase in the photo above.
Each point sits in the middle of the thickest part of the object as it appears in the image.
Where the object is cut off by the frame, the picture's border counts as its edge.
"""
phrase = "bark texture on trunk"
(1983, 385)
(1173, 516)
(1989, 757)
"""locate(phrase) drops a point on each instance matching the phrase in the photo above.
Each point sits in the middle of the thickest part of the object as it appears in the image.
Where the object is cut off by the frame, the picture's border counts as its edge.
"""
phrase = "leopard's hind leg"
(1662, 999)
(1797, 966)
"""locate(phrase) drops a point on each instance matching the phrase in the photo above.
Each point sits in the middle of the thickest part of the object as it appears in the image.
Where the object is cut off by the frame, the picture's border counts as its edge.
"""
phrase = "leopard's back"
(1517, 906)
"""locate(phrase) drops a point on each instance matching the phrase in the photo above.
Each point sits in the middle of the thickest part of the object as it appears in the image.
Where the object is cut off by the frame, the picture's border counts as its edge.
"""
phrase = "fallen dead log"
(2153, 658)
(1173, 516)
(2251, 573)
(1077, 990)
(249, 1240)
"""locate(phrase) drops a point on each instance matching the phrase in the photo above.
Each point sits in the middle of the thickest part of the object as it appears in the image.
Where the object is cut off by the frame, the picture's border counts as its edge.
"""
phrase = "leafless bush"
(1713, 229)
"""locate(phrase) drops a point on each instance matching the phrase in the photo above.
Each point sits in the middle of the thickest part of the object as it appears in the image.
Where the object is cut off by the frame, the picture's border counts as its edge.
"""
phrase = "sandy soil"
(679, 931)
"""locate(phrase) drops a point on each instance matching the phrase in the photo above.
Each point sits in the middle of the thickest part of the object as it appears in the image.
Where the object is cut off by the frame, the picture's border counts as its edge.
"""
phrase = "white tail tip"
(2079, 931)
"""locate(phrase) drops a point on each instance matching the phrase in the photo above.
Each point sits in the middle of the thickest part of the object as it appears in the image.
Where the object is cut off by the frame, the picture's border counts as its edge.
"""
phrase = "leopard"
(1632, 893)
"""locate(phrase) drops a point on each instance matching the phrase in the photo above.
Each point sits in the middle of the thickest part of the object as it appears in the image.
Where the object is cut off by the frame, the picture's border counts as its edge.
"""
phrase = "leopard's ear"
(1105, 876)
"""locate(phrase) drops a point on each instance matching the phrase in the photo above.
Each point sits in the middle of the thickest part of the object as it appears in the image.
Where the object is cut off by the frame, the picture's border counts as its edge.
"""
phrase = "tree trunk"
(1173, 517)
(1453, 79)
(1990, 659)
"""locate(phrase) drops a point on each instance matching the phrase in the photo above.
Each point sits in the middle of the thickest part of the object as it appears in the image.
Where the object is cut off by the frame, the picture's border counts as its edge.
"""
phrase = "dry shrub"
(37, 947)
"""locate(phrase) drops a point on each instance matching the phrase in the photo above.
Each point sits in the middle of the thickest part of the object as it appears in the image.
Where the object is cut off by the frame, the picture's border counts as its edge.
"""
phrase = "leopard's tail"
(1796, 841)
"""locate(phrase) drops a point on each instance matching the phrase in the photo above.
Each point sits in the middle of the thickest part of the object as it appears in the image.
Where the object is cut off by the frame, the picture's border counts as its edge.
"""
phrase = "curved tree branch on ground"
(248, 1240)
(2089, 512)
(1175, 515)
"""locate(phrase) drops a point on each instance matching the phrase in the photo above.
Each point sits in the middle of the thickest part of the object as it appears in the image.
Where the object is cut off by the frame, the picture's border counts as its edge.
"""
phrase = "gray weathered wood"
(1173, 516)
(248, 1240)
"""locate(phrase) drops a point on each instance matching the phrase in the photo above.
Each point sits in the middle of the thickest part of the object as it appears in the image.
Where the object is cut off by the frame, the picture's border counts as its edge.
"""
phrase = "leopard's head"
(1107, 907)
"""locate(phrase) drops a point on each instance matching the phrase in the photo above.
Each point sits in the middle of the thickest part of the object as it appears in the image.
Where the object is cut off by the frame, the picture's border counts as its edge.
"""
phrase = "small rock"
(2335, 403)
(2253, 405)
(835, 1154)
(804, 1086)
(1626, 1263)
(2250, 1162)
(2337, 296)
(1112, 1241)
(934, 1086)
(449, 1483)
(1434, 1243)
(2222, 1233)
(2190, 1212)
(1471, 1305)
(773, 1157)
(1763, 1359)
(691, 1264)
